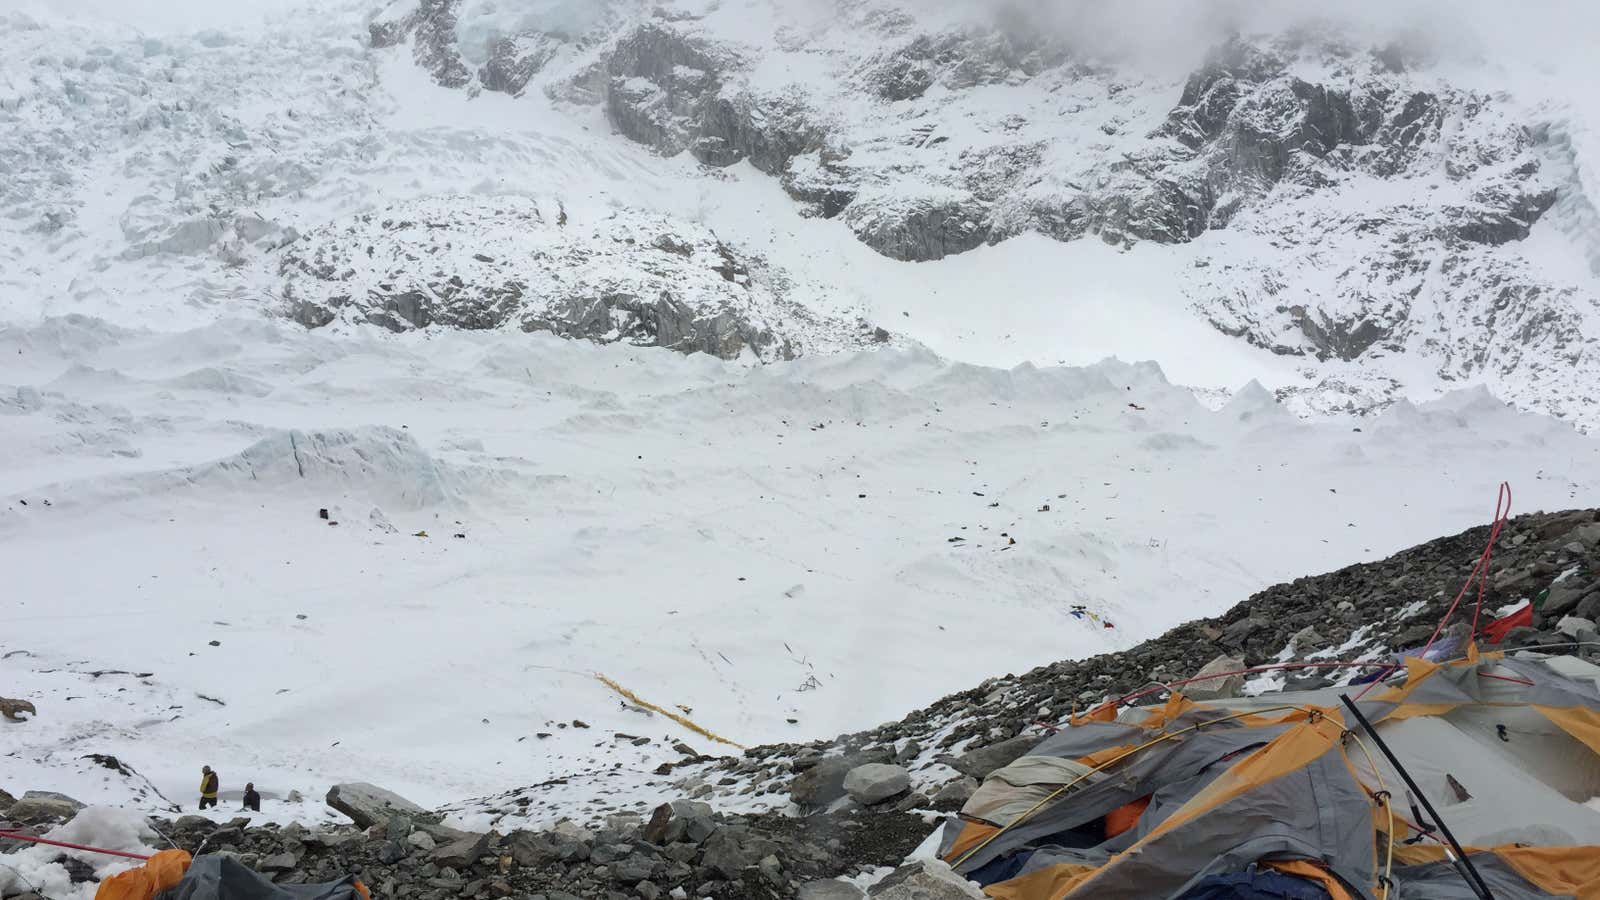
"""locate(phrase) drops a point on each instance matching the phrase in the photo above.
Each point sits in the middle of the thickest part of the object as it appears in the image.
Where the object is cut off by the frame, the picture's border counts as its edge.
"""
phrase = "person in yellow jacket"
(208, 787)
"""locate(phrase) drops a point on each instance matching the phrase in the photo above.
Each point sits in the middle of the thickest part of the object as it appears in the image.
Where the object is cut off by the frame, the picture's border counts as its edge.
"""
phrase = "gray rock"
(1587, 534)
(391, 852)
(281, 862)
(648, 890)
(691, 808)
(1564, 598)
(925, 880)
(1575, 548)
(1574, 627)
(462, 853)
(572, 831)
(633, 869)
(1236, 634)
(956, 793)
(821, 784)
(326, 840)
(192, 821)
(43, 808)
(920, 230)
(830, 890)
(1216, 688)
(771, 870)
(876, 782)
(605, 854)
(368, 804)
(1307, 640)
(422, 841)
(981, 762)
(726, 855)
(1589, 606)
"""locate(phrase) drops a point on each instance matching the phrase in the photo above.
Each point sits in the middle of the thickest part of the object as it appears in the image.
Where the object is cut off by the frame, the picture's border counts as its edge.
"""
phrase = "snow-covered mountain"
(1377, 220)
(1344, 200)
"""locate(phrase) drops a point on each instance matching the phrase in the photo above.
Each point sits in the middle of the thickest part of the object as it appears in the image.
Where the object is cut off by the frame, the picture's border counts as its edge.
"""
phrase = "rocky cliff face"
(1338, 201)
(476, 263)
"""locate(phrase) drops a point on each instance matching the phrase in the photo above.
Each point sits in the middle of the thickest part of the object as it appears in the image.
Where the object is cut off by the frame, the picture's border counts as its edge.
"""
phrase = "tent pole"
(1469, 873)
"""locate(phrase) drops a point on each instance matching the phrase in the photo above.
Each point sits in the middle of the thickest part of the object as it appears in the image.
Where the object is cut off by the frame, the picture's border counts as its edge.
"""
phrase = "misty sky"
(1558, 35)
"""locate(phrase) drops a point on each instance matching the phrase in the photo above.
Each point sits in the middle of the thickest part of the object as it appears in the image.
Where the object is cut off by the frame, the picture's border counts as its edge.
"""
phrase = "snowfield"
(827, 541)
(403, 546)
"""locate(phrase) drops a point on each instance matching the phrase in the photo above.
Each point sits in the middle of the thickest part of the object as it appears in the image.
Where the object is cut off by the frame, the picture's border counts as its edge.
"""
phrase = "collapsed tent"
(1277, 796)
(173, 875)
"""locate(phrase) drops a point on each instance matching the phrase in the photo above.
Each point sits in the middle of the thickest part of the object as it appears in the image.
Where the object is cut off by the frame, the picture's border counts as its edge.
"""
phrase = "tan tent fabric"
(1017, 788)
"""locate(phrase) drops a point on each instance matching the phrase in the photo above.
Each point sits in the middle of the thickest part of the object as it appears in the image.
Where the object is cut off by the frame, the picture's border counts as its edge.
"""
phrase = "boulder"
(422, 841)
(6, 800)
(821, 784)
(1564, 598)
(282, 862)
(727, 856)
(14, 709)
(984, 760)
(1575, 628)
(1217, 688)
(462, 853)
(633, 869)
(955, 794)
(572, 831)
(657, 829)
(876, 782)
(391, 852)
(368, 804)
(43, 808)
(925, 880)
(1589, 606)
(1308, 640)
(1236, 634)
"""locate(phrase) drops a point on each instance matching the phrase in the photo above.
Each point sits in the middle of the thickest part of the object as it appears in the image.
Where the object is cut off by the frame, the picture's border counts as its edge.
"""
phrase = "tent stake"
(1469, 873)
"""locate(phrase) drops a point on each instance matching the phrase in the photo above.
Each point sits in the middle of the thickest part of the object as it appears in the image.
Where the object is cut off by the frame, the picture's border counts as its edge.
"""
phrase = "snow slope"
(827, 541)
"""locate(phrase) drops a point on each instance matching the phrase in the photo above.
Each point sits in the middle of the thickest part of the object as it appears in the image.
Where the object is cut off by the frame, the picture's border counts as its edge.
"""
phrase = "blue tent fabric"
(214, 877)
(1255, 884)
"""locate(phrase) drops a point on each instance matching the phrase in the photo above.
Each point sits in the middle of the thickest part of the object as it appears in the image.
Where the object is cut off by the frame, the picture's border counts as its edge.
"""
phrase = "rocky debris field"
(852, 807)
(683, 849)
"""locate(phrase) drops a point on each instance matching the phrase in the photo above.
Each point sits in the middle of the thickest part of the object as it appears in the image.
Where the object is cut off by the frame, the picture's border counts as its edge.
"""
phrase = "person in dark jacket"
(252, 800)
(208, 787)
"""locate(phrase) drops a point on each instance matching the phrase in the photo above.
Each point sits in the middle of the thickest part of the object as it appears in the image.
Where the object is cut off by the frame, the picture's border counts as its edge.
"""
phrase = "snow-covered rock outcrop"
(479, 263)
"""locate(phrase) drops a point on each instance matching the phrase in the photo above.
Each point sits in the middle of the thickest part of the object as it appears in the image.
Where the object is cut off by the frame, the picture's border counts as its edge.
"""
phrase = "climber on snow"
(208, 787)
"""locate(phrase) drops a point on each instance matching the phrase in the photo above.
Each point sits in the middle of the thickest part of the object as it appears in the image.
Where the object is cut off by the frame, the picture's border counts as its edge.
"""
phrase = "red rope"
(1480, 574)
(1480, 571)
(39, 840)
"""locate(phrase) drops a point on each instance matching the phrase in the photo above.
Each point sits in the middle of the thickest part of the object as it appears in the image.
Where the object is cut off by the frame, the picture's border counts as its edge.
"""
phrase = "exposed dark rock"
(981, 762)
(43, 808)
